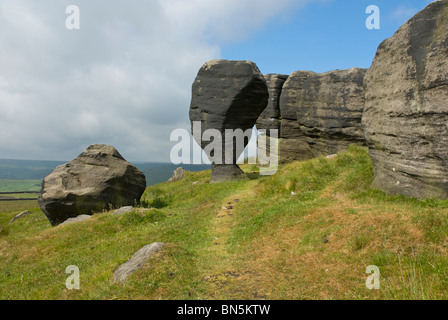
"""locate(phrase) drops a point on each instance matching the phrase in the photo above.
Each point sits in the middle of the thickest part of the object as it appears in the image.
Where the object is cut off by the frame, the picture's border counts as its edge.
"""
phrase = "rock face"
(227, 95)
(270, 118)
(321, 113)
(406, 109)
(97, 178)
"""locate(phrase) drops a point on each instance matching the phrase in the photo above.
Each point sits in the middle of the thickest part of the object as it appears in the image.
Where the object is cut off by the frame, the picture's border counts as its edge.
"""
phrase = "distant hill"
(11, 170)
(26, 169)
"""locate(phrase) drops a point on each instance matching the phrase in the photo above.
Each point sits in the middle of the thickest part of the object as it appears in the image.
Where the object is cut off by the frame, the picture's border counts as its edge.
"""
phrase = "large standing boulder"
(227, 95)
(406, 109)
(321, 113)
(97, 179)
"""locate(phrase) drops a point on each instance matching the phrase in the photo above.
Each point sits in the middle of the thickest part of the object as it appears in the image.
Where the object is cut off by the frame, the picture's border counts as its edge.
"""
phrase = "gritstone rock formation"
(270, 118)
(406, 109)
(227, 95)
(321, 113)
(178, 174)
(97, 178)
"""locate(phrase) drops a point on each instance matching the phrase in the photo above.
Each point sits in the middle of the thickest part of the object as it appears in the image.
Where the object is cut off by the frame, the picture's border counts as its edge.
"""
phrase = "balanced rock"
(321, 113)
(406, 109)
(97, 179)
(226, 95)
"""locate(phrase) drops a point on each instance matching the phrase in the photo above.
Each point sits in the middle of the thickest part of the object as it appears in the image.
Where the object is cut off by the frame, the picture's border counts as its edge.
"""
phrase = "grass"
(308, 232)
(155, 198)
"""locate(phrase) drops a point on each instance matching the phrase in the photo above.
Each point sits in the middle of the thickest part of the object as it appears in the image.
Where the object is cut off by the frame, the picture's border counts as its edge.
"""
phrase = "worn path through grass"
(226, 277)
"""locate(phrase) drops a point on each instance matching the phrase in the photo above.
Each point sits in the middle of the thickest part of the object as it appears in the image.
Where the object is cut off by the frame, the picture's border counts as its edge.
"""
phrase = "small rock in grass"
(21, 215)
(123, 210)
(139, 258)
(178, 174)
(80, 218)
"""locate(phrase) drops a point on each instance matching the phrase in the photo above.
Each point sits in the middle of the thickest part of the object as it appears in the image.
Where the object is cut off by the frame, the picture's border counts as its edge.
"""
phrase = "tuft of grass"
(360, 242)
(142, 218)
(416, 279)
(155, 198)
(4, 231)
(435, 225)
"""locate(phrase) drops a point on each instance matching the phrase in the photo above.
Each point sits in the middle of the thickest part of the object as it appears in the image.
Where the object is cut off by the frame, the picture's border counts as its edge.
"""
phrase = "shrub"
(157, 199)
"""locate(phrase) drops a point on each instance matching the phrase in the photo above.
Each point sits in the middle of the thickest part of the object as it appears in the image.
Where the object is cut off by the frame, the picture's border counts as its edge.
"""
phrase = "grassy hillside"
(309, 232)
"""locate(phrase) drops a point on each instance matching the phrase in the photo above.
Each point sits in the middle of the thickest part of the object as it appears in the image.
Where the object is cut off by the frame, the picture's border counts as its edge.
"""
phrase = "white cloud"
(123, 79)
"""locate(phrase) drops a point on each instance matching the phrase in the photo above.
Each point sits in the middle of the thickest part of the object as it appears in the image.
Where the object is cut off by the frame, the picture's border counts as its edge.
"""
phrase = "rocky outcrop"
(97, 179)
(406, 109)
(330, 112)
(227, 95)
(270, 118)
(178, 174)
(321, 113)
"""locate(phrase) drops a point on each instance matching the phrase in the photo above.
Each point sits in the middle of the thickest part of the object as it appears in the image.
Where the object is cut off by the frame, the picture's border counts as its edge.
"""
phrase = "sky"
(124, 77)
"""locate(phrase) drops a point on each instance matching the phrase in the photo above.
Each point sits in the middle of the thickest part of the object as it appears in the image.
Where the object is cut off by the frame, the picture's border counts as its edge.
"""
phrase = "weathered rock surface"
(138, 259)
(97, 178)
(293, 144)
(406, 109)
(178, 174)
(123, 211)
(80, 218)
(227, 95)
(321, 113)
(330, 111)
(270, 118)
(21, 215)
